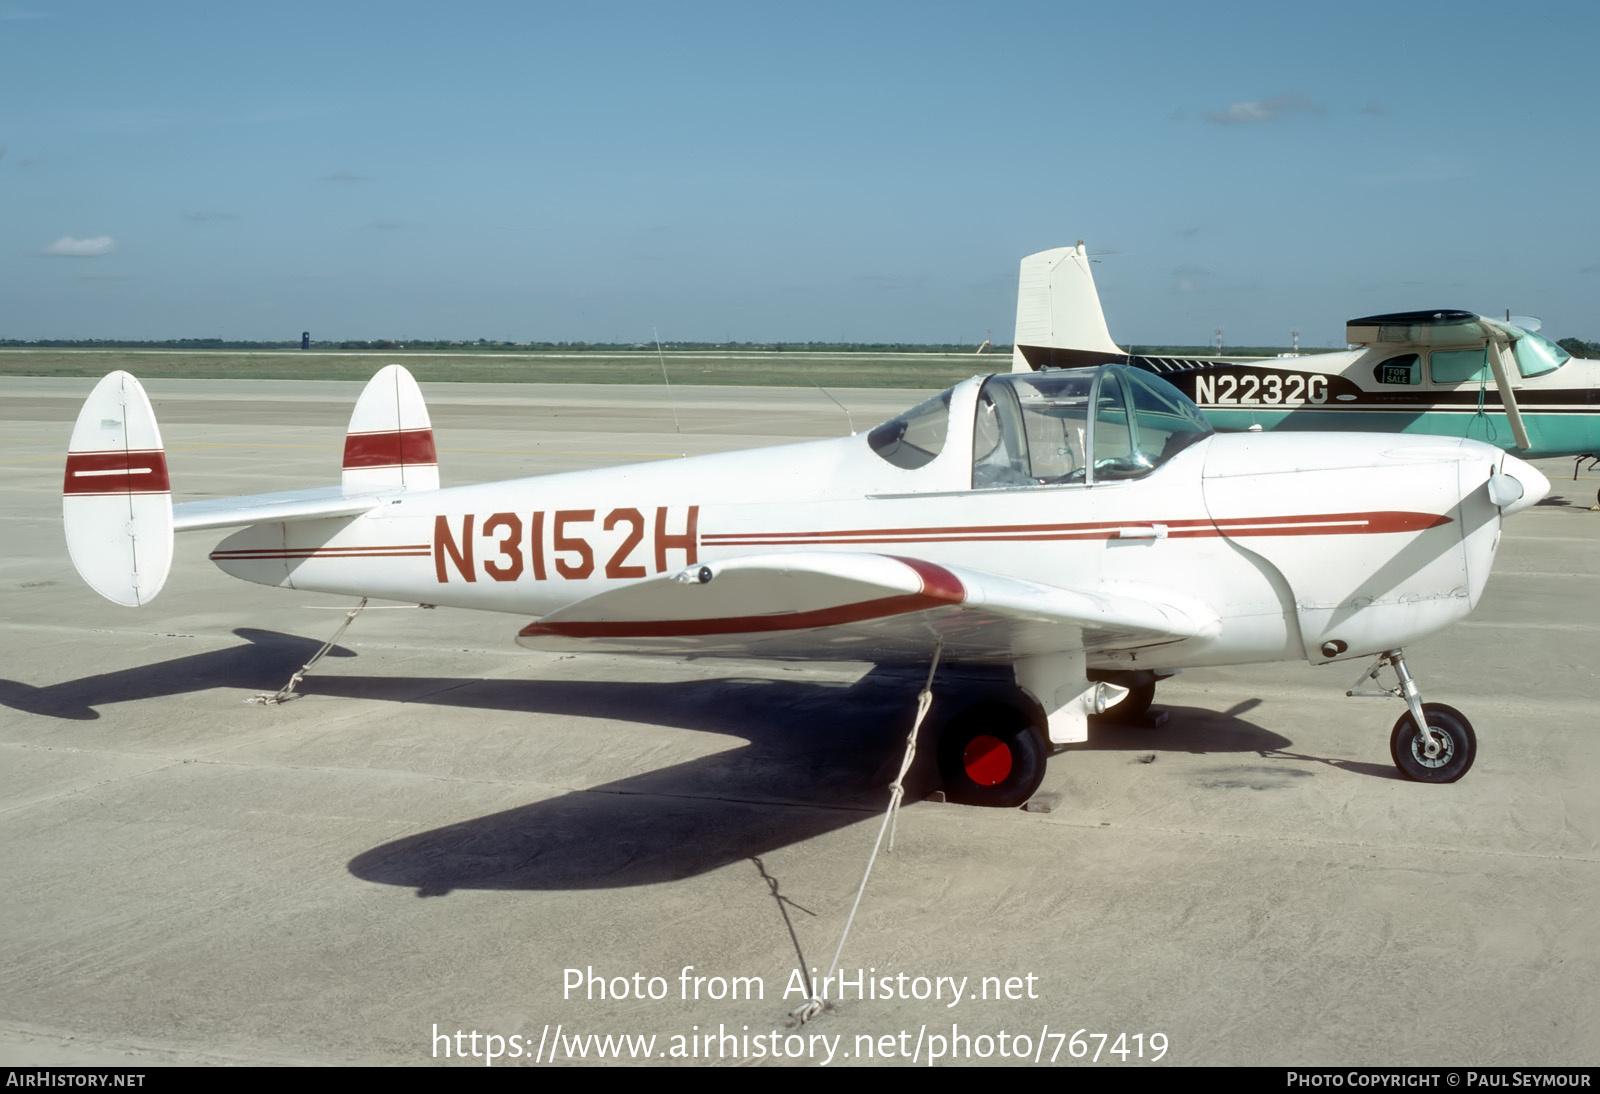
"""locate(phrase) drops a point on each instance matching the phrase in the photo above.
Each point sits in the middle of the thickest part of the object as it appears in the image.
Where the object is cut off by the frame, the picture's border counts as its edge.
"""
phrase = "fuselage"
(1294, 541)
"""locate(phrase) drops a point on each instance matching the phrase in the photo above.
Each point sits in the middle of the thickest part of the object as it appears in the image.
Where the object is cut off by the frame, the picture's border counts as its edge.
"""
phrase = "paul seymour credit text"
(927, 1043)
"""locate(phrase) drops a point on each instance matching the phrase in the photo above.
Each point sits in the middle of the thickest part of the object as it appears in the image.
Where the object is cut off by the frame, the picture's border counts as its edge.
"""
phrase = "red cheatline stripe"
(407, 551)
(940, 531)
(143, 471)
(1332, 524)
(389, 448)
(1320, 524)
(939, 587)
(283, 556)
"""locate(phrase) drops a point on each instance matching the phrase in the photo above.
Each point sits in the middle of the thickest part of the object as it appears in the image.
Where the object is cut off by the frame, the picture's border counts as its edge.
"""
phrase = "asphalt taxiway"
(445, 824)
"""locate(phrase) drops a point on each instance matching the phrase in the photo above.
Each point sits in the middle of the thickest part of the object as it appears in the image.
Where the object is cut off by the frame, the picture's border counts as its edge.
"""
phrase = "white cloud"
(1251, 111)
(69, 247)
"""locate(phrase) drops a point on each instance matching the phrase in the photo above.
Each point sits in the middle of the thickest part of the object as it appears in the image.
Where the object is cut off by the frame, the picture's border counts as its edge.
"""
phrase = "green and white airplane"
(1445, 372)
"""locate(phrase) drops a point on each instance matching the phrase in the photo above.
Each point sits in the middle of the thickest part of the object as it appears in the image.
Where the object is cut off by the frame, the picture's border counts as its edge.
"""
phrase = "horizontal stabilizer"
(389, 445)
(116, 503)
(848, 606)
(328, 501)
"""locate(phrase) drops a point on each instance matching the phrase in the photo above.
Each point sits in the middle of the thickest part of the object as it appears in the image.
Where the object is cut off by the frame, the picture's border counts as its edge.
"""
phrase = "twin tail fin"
(116, 504)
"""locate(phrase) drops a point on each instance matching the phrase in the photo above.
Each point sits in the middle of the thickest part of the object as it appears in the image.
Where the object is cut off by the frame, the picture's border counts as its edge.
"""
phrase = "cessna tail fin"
(1059, 319)
(116, 503)
(390, 441)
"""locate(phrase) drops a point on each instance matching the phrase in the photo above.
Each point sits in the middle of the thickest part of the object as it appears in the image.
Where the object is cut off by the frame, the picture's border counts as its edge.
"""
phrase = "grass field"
(745, 368)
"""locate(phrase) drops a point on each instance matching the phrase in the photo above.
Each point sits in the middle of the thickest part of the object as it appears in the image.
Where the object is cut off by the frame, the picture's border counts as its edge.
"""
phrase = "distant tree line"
(489, 345)
(1575, 346)
(126, 343)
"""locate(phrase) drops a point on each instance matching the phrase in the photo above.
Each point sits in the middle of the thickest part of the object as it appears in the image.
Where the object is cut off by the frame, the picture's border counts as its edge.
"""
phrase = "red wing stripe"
(749, 624)
(940, 588)
(389, 448)
(937, 582)
(139, 472)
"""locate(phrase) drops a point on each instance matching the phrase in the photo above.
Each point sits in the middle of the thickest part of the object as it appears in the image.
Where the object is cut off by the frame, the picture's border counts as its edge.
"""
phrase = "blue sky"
(817, 171)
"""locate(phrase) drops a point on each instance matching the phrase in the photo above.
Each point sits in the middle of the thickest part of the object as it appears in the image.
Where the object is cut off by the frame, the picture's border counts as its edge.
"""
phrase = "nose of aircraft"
(1517, 485)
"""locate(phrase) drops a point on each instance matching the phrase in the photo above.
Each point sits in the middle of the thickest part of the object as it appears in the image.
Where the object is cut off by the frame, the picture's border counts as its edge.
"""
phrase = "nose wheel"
(1431, 743)
(1444, 755)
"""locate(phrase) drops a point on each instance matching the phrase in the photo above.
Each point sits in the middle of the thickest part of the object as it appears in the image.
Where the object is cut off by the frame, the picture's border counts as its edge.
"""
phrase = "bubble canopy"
(1066, 426)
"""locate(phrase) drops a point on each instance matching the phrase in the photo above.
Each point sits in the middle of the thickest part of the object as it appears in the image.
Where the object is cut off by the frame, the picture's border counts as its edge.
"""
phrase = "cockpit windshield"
(1038, 428)
(1537, 355)
(1058, 426)
(913, 439)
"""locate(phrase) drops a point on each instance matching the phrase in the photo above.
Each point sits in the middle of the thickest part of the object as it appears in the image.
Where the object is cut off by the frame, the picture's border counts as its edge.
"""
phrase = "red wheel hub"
(987, 760)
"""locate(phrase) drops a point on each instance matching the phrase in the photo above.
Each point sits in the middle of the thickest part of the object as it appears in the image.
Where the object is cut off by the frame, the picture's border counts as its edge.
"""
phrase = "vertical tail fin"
(116, 502)
(1059, 318)
(390, 440)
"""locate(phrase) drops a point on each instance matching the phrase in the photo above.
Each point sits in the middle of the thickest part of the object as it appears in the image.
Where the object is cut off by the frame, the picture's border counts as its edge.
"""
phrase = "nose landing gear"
(1431, 743)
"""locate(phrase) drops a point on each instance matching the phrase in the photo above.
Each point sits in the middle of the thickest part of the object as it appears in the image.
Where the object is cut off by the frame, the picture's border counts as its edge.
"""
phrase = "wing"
(847, 606)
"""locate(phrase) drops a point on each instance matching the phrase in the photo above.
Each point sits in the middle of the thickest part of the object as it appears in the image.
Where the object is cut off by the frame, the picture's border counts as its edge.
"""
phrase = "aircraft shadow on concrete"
(263, 663)
(1200, 731)
(817, 756)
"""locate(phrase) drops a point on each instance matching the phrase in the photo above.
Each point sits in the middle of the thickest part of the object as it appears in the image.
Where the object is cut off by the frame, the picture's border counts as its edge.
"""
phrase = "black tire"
(991, 755)
(1453, 761)
(1133, 708)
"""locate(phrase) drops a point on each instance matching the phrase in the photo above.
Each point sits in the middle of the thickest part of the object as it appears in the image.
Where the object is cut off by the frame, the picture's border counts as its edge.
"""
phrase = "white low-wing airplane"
(1084, 527)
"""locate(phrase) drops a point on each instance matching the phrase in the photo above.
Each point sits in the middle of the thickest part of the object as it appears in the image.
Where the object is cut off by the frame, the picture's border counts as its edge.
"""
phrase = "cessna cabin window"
(914, 438)
(1459, 366)
(1036, 429)
(1405, 369)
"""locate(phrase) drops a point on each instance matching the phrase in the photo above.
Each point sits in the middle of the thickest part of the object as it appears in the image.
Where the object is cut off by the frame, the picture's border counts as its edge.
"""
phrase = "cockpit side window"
(1404, 369)
(1031, 429)
(1000, 439)
(1115, 454)
(913, 439)
(1459, 366)
(1035, 429)
(1167, 421)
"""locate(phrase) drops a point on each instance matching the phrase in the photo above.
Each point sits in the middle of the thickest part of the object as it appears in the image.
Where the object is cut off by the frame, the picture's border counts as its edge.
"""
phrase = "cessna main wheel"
(1458, 745)
(991, 755)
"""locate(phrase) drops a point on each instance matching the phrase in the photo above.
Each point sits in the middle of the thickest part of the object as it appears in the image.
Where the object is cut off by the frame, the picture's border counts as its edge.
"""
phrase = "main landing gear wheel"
(991, 755)
(1456, 746)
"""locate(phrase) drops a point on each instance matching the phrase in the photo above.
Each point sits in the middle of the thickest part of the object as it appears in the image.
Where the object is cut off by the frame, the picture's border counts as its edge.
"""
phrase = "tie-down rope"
(897, 791)
(287, 692)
